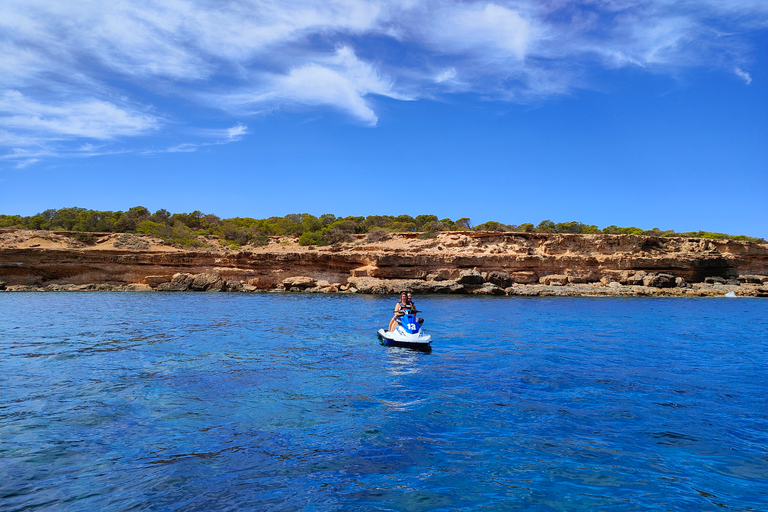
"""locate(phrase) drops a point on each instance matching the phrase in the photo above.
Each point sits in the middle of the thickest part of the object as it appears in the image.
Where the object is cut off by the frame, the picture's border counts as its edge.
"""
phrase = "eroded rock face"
(179, 283)
(208, 282)
(525, 277)
(472, 262)
(301, 282)
(157, 280)
(554, 280)
(500, 279)
(470, 277)
(659, 281)
(752, 279)
(636, 279)
(488, 289)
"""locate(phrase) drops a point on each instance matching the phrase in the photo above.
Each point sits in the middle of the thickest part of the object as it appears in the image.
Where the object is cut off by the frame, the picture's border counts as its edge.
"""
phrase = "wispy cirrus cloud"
(743, 75)
(236, 132)
(116, 71)
(90, 118)
(341, 81)
(211, 137)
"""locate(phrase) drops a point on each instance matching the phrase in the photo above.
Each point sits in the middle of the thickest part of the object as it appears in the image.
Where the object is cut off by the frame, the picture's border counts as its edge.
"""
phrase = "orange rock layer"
(452, 262)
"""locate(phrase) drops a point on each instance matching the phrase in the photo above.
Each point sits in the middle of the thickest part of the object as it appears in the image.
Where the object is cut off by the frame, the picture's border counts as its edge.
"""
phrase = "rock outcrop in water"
(488, 263)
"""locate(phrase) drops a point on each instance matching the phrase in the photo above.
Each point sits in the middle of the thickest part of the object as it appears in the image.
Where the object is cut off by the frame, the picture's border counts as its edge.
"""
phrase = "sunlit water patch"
(288, 402)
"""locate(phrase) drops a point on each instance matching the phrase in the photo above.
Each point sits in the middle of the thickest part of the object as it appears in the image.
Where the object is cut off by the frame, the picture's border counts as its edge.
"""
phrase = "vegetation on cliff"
(184, 228)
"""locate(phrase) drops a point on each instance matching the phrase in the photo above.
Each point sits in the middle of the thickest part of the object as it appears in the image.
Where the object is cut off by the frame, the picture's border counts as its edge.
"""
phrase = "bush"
(492, 225)
(238, 234)
(463, 224)
(526, 227)
(183, 228)
(347, 226)
(176, 234)
(311, 238)
(377, 235)
(575, 227)
(399, 226)
(546, 226)
(326, 236)
(86, 238)
(336, 236)
(422, 221)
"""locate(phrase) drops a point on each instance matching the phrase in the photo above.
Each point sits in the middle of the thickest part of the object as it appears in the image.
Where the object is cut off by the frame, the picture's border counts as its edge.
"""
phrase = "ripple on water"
(200, 402)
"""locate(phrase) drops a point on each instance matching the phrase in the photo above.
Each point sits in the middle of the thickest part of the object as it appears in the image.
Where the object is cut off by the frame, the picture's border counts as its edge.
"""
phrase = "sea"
(288, 402)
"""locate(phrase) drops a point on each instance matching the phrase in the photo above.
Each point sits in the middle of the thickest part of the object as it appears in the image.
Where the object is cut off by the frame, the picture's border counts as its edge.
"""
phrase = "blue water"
(119, 401)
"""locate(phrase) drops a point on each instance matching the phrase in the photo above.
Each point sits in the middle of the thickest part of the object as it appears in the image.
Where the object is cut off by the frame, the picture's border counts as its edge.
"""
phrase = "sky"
(647, 113)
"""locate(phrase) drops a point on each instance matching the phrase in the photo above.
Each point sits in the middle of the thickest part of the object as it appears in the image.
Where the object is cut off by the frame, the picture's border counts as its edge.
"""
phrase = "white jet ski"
(408, 333)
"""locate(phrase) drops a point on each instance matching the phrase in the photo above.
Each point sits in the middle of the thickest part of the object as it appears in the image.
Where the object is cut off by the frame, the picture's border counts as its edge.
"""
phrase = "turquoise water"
(118, 401)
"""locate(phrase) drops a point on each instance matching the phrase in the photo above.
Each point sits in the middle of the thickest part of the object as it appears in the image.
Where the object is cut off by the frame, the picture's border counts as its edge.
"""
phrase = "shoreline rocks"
(651, 285)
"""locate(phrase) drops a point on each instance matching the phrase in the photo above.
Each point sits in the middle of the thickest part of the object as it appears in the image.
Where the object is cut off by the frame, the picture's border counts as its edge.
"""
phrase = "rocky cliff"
(452, 262)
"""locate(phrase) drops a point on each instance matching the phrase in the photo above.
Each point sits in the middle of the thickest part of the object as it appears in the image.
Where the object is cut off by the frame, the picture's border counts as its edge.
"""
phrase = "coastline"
(517, 291)
(470, 263)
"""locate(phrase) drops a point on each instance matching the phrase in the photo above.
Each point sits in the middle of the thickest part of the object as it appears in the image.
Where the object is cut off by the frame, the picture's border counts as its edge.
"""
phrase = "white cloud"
(14, 139)
(24, 157)
(27, 163)
(446, 75)
(492, 29)
(239, 31)
(181, 148)
(90, 118)
(342, 82)
(212, 137)
(236, 132)
(88, 69)
(176, 39)
(743, 75)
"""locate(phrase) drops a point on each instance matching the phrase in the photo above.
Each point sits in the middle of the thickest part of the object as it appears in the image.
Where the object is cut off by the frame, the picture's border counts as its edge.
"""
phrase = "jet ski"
(408, 333)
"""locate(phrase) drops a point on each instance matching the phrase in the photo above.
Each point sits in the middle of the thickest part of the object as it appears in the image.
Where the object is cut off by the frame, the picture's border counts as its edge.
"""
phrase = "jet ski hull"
(397, 338)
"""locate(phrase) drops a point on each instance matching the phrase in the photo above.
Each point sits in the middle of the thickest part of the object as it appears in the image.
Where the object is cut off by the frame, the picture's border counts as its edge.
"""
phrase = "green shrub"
(403, 227)
(463, 224)
(313, 238)
(183, 228)
(546, 226)
(526, 227)
(492, 225)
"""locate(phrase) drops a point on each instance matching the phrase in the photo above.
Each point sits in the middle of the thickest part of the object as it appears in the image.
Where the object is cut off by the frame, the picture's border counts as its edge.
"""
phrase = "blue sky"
(652, 113)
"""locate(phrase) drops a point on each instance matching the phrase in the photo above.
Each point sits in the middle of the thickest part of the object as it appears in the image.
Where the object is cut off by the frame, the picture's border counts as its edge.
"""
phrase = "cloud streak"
(743, 75)
(340, 81)
(111, 71)
(91, 118)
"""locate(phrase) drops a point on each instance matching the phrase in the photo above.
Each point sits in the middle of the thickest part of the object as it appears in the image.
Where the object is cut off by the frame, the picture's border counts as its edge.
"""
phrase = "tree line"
(185, 228)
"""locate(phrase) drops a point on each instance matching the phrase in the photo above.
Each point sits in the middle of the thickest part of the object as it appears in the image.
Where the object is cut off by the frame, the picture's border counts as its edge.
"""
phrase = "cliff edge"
(452, 262)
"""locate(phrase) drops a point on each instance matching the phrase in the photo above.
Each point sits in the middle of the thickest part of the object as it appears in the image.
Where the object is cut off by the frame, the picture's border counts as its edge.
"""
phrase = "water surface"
(120, 401)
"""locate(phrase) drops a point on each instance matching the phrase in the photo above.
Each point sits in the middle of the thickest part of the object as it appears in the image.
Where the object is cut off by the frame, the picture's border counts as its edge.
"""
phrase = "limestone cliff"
(452, 262)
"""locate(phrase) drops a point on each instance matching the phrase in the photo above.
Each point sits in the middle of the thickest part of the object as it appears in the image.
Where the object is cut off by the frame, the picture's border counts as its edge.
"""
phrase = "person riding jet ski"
(400, 309)
(404, 328)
